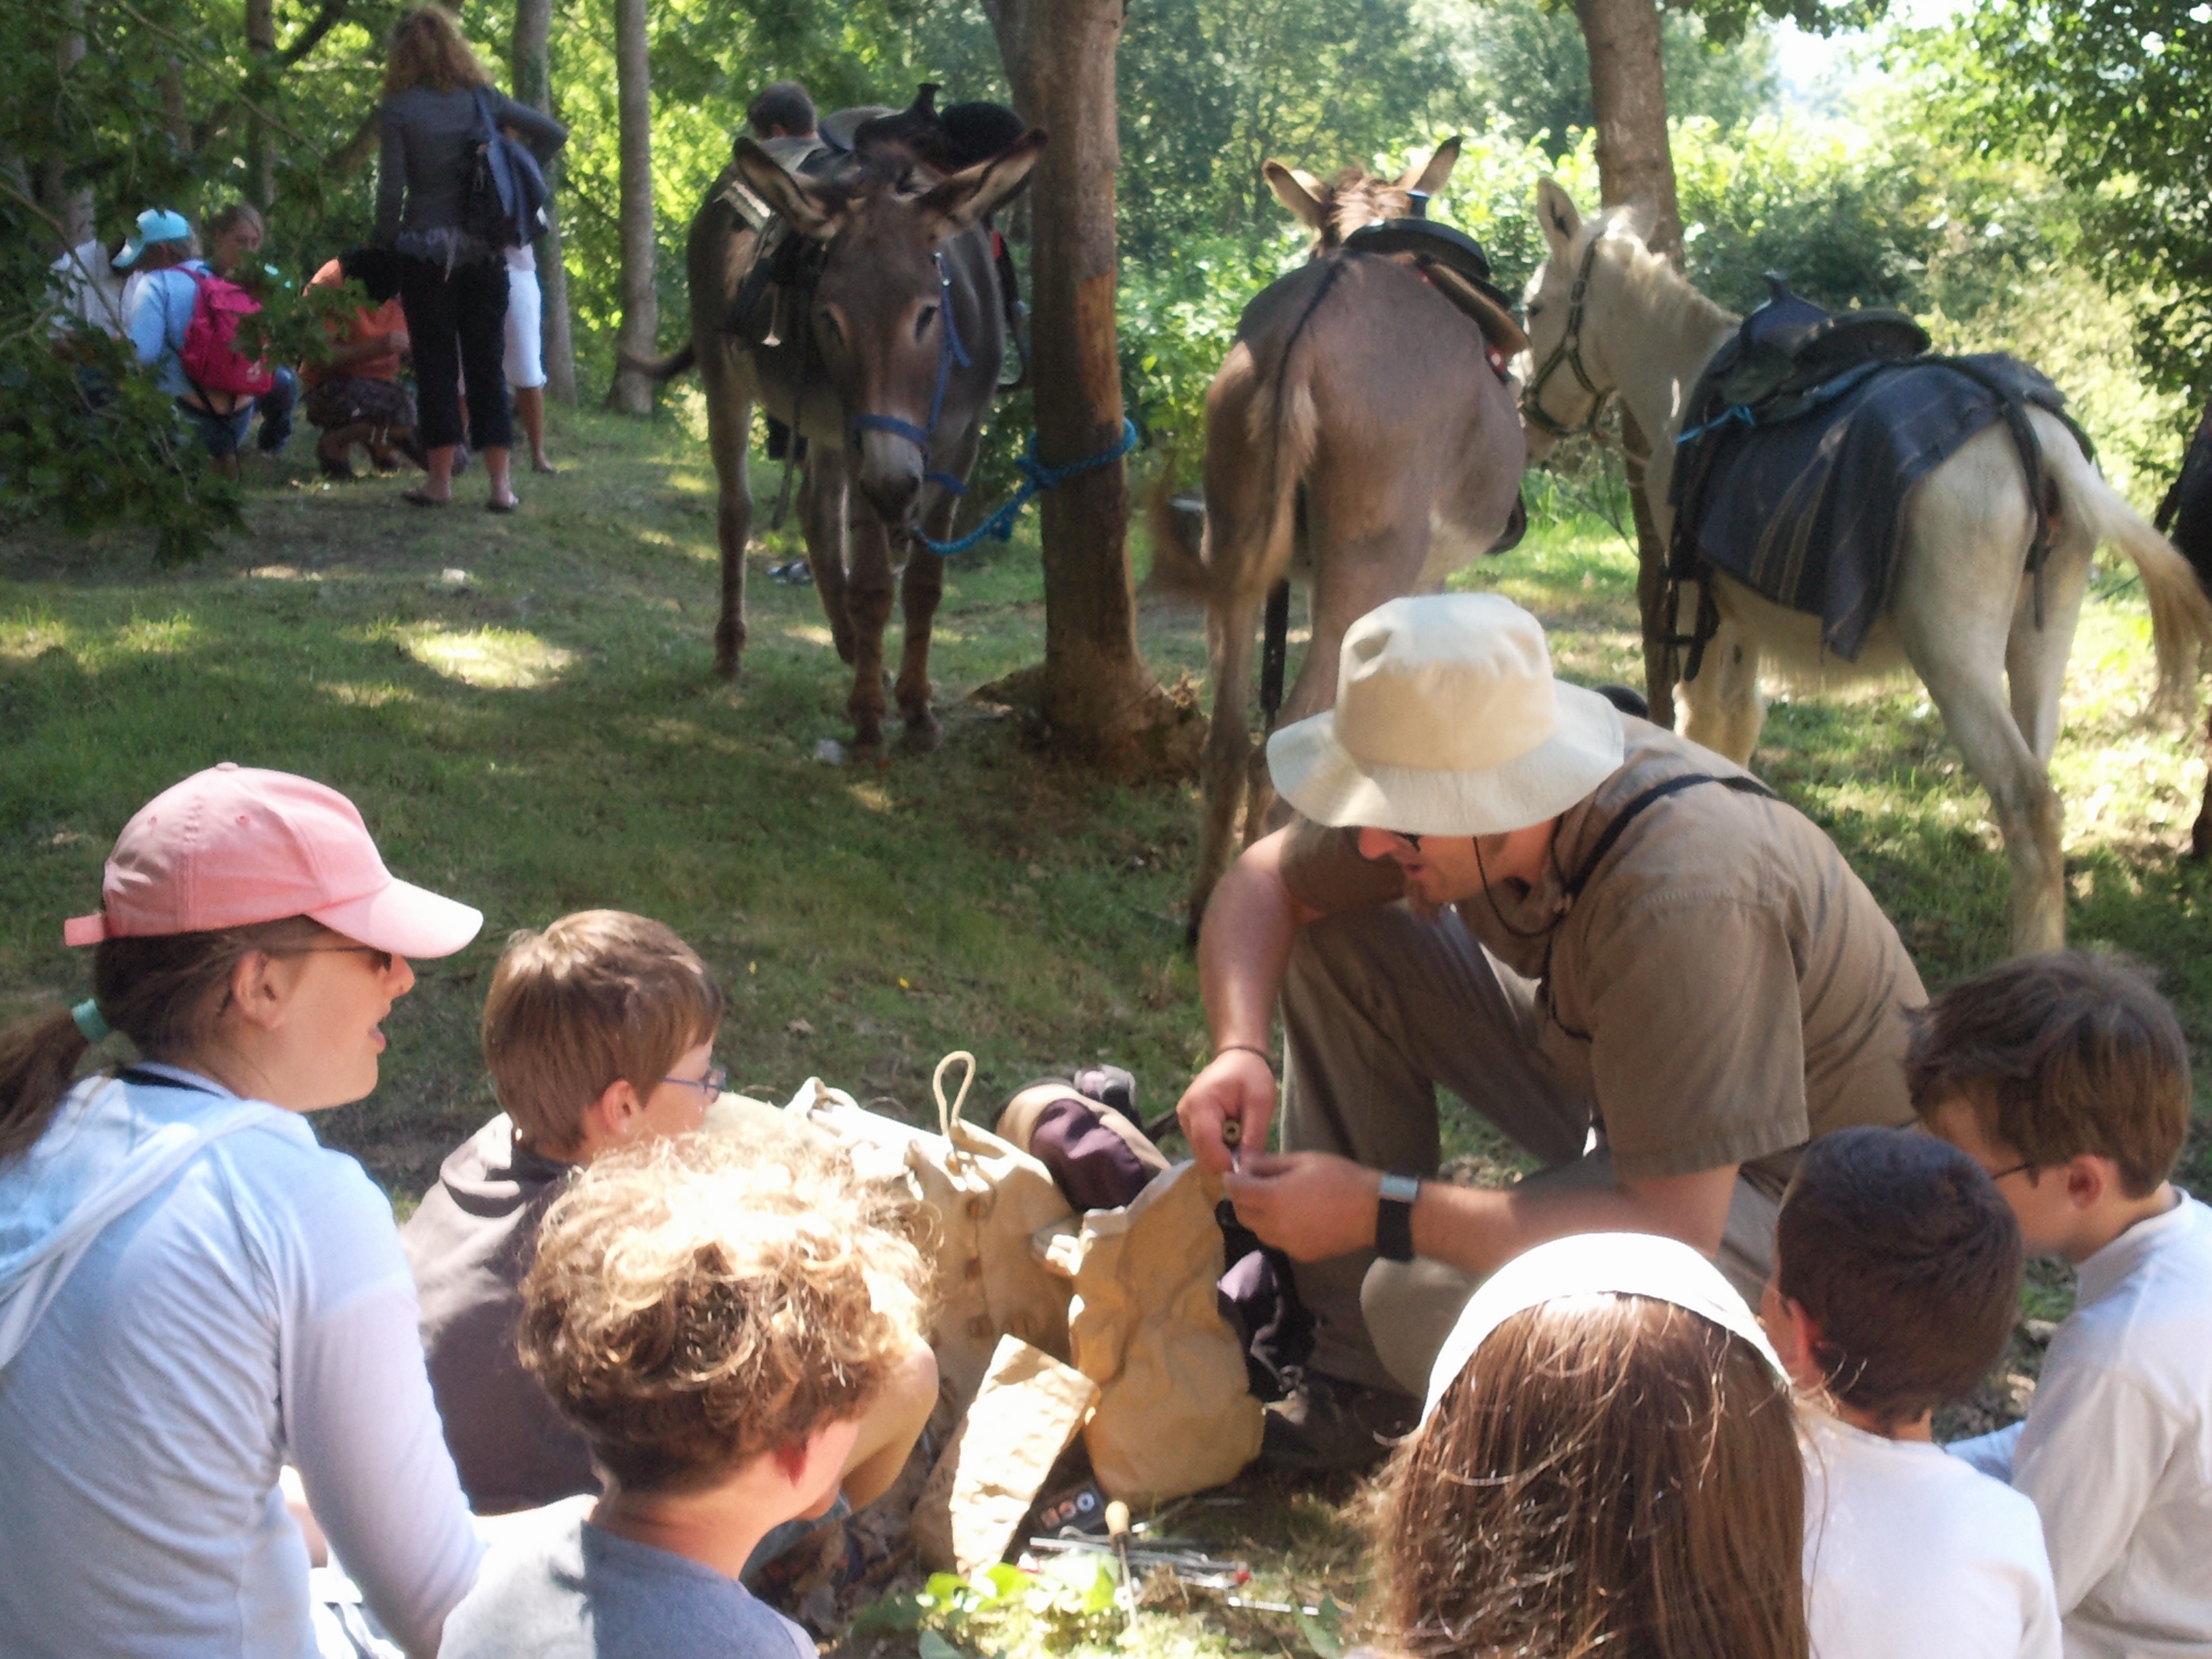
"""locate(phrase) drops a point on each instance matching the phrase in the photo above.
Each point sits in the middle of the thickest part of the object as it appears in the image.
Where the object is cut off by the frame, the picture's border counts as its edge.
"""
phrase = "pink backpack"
(211, 359)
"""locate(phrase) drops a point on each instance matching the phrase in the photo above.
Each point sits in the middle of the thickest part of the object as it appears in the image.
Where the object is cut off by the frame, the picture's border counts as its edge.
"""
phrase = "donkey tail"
(676, 362)
(2180, 611)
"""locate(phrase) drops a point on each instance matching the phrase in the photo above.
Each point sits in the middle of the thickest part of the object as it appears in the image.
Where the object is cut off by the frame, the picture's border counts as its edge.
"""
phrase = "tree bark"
(1099, 700)
(72, 208)
(533, 85)
(632, 393)
(1634, 163)
(260, 145)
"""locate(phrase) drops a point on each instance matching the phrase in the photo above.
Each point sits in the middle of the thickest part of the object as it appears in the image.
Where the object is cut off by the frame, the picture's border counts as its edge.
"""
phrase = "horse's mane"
(1677, 307)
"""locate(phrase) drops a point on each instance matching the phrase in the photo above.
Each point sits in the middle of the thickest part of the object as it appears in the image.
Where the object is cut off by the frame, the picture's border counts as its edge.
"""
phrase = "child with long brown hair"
(193, 1292)
(1607, 1464)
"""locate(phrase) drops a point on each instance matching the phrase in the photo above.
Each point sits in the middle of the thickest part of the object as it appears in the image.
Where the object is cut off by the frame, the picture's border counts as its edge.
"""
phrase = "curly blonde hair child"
(695, 1303)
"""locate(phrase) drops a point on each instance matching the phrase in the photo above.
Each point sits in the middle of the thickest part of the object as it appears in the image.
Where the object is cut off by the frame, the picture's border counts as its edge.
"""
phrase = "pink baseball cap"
(236, 845)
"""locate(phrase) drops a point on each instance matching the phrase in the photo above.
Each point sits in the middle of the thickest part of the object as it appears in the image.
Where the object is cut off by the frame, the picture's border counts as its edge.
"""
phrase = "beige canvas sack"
(1026, 1412)
(1175, 1413)
(987, 1201)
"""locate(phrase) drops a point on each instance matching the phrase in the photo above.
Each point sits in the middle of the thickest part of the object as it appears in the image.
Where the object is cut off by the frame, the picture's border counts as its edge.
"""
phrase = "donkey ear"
(798, 204)
(966, 199)
(1295, 190)
(1429, 177)
(1556, 213)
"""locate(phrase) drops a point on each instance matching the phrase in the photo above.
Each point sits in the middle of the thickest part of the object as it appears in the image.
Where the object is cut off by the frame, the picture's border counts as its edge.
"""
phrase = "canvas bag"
(211, 357)
(987, 1200)
(1027, 1410)
(1175, 1413)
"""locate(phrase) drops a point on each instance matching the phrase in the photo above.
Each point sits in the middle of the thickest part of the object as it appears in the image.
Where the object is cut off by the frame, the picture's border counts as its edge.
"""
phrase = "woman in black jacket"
(452, 285)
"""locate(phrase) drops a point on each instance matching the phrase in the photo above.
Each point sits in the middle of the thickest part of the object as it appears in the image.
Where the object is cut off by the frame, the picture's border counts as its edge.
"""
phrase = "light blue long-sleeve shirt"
(158, 317)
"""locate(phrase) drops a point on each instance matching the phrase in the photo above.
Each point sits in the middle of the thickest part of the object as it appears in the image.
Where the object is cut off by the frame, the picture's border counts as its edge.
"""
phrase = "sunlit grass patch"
(491, 659)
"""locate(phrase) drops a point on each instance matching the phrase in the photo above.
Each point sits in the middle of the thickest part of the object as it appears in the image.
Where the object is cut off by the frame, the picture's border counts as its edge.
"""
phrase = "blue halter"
(949, 350)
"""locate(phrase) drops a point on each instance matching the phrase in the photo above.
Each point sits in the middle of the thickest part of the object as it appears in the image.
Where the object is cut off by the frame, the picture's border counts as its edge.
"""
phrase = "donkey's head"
(1334, 211)
(878, 306)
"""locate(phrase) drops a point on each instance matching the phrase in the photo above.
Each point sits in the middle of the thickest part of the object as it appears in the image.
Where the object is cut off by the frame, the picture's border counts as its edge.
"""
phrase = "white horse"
(1961, 613)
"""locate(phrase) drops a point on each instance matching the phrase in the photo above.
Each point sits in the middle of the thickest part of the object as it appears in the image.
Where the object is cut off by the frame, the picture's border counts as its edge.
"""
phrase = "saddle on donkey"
(770, 298)
(1800, 442)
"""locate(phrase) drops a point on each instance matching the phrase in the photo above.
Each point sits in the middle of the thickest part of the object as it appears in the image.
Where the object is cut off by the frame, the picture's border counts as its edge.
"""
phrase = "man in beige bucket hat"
(1624, 951)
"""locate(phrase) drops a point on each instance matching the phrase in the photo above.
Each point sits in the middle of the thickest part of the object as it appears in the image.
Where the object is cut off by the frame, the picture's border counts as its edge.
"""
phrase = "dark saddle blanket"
(1804, 438)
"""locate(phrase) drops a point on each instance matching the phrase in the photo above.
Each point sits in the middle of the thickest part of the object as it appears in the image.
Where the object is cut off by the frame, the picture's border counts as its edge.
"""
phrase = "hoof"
(923, 734)
(867, 741)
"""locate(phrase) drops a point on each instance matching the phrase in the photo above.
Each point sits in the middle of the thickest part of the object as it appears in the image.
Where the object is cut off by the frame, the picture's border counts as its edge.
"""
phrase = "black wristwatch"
(1394, 1217)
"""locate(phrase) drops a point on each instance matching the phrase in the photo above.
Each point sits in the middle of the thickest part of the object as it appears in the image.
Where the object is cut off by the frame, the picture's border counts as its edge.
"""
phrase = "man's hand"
(1310, 1205)
(1235, 1084)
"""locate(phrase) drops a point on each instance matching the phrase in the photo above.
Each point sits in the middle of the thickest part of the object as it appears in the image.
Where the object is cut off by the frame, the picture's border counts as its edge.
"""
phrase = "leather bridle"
(1569, 351)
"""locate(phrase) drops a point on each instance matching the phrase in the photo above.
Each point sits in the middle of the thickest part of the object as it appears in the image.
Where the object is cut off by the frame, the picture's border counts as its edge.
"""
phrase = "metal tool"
(1232, 1137)
(1117, 1529)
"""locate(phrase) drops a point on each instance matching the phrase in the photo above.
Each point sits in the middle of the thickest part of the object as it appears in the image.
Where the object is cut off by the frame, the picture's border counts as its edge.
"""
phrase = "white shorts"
(526, 351)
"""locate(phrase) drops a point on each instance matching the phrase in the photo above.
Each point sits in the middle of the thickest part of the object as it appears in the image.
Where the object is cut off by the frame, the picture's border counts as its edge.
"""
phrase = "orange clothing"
(368, 322)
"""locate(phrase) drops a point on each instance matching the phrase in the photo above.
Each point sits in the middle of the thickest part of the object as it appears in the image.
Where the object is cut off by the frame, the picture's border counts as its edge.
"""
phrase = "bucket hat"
(1596, 1264)
(236, 845)
(1447, 722)
(154, 225)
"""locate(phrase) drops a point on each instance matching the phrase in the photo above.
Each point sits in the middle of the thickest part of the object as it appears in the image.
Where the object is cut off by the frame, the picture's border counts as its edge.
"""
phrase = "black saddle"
(1456, 267)
(1789, 350)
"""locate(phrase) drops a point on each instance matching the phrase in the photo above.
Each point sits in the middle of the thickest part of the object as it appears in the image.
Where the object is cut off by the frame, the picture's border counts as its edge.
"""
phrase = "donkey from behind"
(1962, 611)
(1356, 436)
(885, 367)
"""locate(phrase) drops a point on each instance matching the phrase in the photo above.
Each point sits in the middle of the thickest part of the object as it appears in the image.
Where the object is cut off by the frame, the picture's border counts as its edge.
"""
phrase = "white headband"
(1596, 1264)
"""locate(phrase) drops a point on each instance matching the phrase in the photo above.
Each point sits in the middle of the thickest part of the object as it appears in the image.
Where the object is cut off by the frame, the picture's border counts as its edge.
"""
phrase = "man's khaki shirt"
(1724, 989)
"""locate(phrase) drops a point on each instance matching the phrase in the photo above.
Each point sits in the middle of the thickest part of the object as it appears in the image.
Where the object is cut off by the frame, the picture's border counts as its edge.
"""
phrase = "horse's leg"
(1722, 708)
(2035, 658)
(1230, 622)
(822, 489)
(920, 590)
(1957, 587)
(868, 585)
(729, 423)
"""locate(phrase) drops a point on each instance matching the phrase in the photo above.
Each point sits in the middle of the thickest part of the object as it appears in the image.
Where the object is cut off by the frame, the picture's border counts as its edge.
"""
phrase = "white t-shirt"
(86, 289)
(252, 1308)
(2117, 1450)
(1909, 1554)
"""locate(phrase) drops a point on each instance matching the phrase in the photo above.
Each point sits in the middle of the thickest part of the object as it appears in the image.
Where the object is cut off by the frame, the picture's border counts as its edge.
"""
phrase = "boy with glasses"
(599, 1033)
(2066, 1077)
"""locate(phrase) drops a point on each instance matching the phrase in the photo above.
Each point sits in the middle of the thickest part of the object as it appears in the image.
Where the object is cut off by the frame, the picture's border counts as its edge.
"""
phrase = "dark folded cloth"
(1809, 513)
(1098, 1168)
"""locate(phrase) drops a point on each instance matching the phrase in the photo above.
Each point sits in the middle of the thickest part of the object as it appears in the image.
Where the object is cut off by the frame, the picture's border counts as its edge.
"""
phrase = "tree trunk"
(533, 85)
(72, 209)
(632, 393)
(1098, 698)
(260, 145)
(1634, 163)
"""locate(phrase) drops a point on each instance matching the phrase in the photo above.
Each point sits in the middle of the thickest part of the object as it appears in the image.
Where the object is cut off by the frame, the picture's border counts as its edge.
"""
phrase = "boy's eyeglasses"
(2016, 1169)
(712, 1083)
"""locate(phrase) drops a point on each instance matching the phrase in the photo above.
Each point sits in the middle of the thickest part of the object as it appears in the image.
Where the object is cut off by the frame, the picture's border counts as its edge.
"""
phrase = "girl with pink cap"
(193, 1292)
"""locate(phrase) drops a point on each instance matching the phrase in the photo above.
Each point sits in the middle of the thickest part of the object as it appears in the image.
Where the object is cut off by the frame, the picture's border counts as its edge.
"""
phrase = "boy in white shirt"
(1896, 1280)
(2066, 1076)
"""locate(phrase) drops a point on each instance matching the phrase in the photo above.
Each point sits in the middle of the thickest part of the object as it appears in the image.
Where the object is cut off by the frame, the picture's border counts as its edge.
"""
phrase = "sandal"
(417, 498)
(503, 506)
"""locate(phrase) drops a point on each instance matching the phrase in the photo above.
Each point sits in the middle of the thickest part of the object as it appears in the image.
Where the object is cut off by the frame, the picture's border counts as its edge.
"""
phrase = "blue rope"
(1733, 413)
(1035, 478)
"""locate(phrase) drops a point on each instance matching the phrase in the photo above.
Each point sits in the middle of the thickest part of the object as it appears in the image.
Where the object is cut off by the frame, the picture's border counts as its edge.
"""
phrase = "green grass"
(545, 733)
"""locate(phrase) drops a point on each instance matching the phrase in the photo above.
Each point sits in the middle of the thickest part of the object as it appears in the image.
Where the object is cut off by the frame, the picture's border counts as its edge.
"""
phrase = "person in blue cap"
(162, 252)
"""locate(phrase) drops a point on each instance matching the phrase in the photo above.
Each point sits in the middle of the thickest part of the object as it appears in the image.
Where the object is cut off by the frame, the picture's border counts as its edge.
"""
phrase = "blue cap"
(154, 225)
